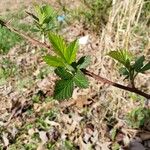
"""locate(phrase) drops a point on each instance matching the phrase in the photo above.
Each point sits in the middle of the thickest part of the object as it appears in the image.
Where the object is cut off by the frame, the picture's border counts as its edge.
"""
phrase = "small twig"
(30, 39)
(96, 77)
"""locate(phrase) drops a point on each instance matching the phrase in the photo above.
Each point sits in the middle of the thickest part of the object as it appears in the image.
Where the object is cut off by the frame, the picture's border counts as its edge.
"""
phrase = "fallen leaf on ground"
(135, 145)
(43, 136)
(5, 139)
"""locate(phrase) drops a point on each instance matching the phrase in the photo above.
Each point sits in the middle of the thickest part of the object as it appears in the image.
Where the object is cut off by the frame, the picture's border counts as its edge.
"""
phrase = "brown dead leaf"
(41, 147)
(135, 145)
(105, 146)
(17, 108)
(43, 136)
(52, 123)
(82, 101)
(67, 103)
(31, 131)
(45, 106)
(78, 102)
(5, 139)
(53, 134)
(47, 85)
(145, 136)
(82, 145)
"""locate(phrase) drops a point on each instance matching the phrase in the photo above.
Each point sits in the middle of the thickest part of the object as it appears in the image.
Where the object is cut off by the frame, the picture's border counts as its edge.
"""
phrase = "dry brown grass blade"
(124, 16)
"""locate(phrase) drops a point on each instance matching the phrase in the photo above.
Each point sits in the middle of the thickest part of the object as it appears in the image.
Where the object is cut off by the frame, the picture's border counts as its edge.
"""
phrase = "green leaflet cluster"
(68, 70)
(131, 67)
(45, 19)
(64, 87)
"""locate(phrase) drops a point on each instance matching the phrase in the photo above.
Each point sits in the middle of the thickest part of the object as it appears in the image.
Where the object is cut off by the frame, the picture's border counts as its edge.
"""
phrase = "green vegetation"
(67, 69)
(7, 70)
(8, 40)
(96, 14)
(130, 70)
(145, 15)
(138, 117)
(68, 145)
(45, 19)
(93, 13)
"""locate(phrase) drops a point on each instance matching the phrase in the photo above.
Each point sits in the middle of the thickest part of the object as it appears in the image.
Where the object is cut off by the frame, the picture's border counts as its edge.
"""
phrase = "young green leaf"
(58, 44)
(121, 56)
(123, 71)
(80, 80)
(63, 73)
(48, 10)
(49, 13)
(138, 64)
(54, 61)
(146, 67)
(63, 89)
(83, 62)
(40, 15)
(71, 51)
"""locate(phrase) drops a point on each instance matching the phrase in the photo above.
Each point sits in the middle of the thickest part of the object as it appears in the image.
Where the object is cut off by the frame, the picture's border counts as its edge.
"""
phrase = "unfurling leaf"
(54, 61)
(121, 56)
(71, 51)
(40, 15)
(81, 80)
(139, 63)
(63, 73)
(44, 14)
(83, 62)
(63, 89)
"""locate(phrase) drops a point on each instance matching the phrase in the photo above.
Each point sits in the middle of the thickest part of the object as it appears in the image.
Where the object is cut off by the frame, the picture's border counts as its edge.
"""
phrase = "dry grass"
(123, 18)
(119, 34)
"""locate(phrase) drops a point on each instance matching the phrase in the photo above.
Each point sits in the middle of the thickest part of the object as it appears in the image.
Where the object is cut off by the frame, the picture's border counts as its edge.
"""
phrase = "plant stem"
(130, 89)
(30, 39)
(96, 77)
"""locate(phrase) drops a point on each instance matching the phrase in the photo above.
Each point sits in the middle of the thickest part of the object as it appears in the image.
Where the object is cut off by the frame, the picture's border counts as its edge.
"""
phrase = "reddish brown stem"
(96, 77)
(130, 89)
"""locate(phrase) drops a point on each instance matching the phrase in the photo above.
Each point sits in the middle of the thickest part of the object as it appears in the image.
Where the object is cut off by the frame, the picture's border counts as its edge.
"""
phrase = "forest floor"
(93, 119)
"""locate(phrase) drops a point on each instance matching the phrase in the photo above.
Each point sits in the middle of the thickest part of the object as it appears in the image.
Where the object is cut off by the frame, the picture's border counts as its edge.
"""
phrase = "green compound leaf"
(83, 62)
(80, 80)
(71, 51)
(63, 73)
(54, 61)
(121, 56)
(63, 89)
(146, 67)
(138, 64)
(58, 44)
